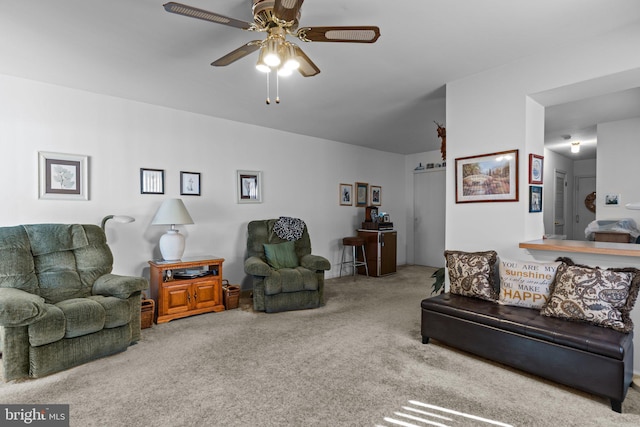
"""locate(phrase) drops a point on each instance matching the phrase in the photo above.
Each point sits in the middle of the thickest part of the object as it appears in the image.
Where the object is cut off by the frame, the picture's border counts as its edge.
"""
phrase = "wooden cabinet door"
(176, 298)
(204, 294)
(388, 247)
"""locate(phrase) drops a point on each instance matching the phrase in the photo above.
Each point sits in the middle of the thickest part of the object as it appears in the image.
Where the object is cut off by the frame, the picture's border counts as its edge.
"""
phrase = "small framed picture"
(151, 181)
(63, 176)
(362, 192)
(535, 198)
(612, 200)
(189, 183)
(535, 169)
(375, 197)
(249, 186)
(345, 194)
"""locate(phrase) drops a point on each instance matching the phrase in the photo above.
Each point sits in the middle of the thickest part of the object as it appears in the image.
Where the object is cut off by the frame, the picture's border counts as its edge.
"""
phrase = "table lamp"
(172, 212)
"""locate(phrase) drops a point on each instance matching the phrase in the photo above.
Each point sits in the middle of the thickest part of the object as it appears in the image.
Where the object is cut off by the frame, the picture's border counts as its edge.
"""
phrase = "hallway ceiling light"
(575, 147)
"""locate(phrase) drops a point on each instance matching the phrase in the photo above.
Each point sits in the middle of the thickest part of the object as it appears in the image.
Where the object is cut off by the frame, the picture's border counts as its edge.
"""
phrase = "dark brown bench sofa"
(590, 358)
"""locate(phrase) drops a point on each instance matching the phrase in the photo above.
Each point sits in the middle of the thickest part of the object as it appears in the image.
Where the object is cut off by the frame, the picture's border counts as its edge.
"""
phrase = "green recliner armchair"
(60, 306)
(286, 276)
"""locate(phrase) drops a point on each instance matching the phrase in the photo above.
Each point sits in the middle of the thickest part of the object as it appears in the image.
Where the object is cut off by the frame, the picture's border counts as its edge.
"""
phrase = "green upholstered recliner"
(296, 287)
(59, 304)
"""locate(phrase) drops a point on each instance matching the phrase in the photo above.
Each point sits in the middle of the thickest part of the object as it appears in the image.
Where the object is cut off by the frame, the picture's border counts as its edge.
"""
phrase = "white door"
(585, 185)
(559, 202)
(429, 217)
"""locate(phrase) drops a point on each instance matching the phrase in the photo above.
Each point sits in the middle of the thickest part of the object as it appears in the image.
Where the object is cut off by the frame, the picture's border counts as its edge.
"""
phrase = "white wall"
(618, 170)
(300, 174)
(492, 111)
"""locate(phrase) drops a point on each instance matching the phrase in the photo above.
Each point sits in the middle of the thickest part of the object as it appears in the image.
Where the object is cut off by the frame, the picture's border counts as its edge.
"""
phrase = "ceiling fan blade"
(366, 34)
(239, 53)
(193, 12)
(307, 67)
(287, 10)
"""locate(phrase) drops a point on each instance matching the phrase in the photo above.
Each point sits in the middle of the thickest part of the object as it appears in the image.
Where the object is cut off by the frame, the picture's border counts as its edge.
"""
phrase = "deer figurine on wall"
(442, 134)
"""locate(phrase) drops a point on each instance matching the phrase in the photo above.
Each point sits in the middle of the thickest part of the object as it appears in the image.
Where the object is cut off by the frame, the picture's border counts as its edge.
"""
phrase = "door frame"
(564, 209)
(576, 201)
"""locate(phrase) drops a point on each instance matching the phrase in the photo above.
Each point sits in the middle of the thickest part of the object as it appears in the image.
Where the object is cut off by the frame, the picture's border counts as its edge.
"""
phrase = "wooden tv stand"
(186, 287)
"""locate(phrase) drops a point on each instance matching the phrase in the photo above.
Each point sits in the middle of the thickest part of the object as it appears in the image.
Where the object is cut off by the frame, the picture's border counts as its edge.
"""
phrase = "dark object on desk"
(191, 274)
(612, 236)
(369, 225)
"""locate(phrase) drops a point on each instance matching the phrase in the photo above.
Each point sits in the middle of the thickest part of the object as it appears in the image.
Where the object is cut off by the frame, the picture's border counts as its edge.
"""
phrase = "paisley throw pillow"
(594, 295)
(471, 273)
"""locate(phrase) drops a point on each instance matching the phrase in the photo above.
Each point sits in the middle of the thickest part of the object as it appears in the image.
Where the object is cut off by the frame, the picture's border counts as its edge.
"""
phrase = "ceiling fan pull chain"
(277, 89)
(268, 100)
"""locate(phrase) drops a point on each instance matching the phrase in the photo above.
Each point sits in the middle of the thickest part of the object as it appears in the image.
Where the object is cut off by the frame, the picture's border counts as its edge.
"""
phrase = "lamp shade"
(172, 211)
(117, 218)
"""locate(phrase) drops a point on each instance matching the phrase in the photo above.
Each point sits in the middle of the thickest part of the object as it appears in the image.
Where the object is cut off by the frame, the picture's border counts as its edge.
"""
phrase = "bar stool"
(354, 243)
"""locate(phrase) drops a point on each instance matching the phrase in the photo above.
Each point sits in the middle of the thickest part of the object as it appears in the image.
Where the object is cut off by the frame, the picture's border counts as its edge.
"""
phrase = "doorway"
(429, 217)
(585, 185)
(560, 203)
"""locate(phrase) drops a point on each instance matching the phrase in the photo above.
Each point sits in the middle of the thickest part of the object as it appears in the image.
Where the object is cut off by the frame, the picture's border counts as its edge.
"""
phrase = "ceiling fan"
(278, 18)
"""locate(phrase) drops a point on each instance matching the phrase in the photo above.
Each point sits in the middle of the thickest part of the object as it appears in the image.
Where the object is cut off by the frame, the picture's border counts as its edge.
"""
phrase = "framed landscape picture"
(63, 176)
(487, 178)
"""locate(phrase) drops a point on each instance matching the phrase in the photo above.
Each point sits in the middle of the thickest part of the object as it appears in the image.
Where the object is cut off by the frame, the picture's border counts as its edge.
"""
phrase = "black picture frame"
(151, 181)
(535, 198)
(189, 183)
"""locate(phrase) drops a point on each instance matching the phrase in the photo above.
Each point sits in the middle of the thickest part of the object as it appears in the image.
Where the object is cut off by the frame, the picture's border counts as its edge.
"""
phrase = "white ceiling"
(578, 119)
(384, 95)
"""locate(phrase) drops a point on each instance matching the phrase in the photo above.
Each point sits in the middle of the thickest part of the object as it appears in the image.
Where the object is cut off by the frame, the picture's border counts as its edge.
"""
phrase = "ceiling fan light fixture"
(270, 49)
(261, 65)
(291, 61)
(284, 71)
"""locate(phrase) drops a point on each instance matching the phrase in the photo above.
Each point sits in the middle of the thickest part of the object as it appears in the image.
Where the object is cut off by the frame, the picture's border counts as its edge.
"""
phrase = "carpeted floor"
(358, 361)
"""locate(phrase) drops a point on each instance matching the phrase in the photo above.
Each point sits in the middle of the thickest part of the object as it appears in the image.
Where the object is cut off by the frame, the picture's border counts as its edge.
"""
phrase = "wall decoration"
(345, 194)
(189, 183)
(536, 164)
(612, 200)
(63, 176)
(375, 196)
(362, 192)
(487, 178)
(442, 134)
(535, 198)
(151, 181)
(249, 185)
(590, 201)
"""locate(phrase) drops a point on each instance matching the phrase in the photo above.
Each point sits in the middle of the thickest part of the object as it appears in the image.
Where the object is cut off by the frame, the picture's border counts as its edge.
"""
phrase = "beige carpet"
(358, 361)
